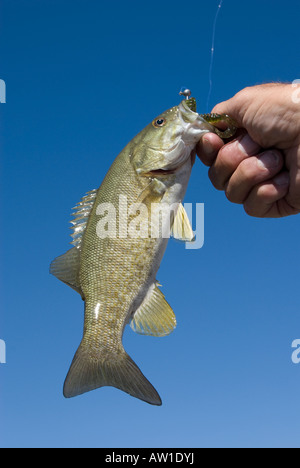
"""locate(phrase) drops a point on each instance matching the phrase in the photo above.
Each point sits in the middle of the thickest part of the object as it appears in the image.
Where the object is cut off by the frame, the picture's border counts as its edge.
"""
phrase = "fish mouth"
(164, 172)
(193, 123)
(188, 110)
(190, 119)
(191, 104)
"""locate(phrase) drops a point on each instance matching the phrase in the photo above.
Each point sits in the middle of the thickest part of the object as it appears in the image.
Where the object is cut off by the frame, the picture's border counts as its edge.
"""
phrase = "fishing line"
(212, 55)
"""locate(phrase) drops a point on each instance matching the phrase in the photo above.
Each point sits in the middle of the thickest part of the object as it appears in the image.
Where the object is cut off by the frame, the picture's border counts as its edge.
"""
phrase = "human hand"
(261, 167)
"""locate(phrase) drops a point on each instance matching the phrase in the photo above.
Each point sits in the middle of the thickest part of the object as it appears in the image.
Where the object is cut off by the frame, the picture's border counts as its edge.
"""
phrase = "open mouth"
(191, 104)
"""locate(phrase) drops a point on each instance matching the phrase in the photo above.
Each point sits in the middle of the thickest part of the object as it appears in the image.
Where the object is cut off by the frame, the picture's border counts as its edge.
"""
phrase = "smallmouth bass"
(115, 273)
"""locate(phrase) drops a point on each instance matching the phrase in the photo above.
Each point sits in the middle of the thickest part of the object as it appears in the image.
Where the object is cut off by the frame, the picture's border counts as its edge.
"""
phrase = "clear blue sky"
(83, 77)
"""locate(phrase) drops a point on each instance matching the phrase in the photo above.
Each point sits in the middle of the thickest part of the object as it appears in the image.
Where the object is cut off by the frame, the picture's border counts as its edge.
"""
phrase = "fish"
(114, 272)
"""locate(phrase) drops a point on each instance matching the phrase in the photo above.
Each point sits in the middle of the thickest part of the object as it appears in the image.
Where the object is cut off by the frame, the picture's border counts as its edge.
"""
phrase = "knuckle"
(250, 211)
(227, 155)
(248, 168)
(232, 194)
(234, 197)
(244, 96)
(215, 179)
(250, 171)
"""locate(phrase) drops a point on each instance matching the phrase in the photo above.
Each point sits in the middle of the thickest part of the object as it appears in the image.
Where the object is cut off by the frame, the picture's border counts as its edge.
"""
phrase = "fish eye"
(159, 123)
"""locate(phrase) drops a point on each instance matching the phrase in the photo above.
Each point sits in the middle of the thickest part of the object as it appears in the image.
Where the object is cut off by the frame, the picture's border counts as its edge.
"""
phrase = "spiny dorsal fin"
(155, 316)
(182, 229)
(66, 268)
(81, 215)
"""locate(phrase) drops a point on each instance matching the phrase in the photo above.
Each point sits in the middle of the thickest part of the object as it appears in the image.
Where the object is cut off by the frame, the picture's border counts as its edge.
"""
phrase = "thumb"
(253, 102)
(234, 107)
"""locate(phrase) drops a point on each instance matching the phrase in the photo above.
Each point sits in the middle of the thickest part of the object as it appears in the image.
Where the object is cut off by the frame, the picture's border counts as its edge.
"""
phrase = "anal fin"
(155, 316)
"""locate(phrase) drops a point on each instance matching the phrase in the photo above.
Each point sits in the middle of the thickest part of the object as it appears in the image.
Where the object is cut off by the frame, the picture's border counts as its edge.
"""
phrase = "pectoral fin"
(155, 316)
(182, 229)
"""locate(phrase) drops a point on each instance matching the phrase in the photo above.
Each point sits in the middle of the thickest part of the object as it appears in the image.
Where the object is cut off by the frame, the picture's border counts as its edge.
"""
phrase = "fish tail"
(90, 372)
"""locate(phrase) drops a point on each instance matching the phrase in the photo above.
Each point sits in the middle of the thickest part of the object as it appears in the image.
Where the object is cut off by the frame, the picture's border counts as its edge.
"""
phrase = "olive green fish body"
(114, 274)
(118, 245)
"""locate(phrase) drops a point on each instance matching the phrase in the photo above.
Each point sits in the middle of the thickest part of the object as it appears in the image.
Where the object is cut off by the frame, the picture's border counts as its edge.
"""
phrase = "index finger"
(208, 148)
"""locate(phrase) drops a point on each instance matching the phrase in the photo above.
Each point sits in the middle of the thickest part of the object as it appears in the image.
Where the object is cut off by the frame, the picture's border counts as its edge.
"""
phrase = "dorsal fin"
(66, 267)
(155, 316)
(81, 215)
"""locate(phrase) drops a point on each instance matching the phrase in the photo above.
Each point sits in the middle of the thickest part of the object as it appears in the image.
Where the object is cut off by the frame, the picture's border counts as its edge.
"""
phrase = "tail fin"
(87, 373)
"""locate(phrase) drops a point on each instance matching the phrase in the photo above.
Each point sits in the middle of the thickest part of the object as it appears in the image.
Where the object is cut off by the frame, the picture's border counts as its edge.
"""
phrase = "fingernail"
(282, 179)
(247, 145)
(269, 159)
(207, 147)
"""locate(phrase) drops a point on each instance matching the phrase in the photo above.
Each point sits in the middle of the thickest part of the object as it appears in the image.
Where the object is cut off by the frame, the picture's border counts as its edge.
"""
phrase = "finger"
(267, 200)
(293, 165)
(251, 172)
(237, 106)
(229, 158)
(208, 148)
(228, 108)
